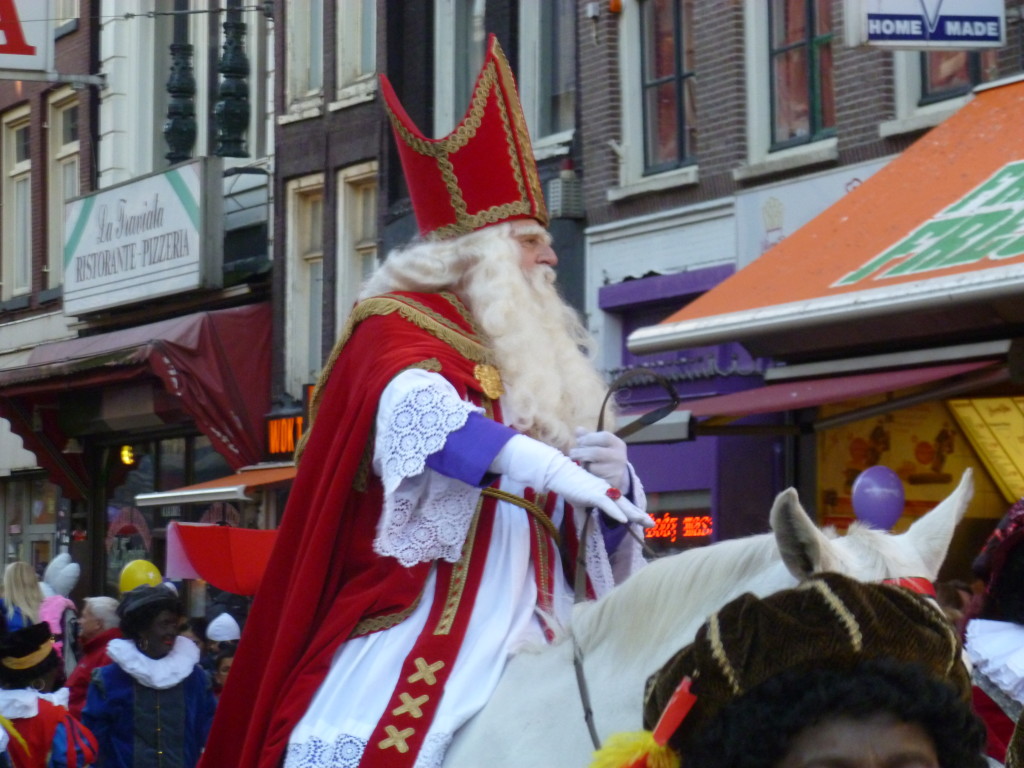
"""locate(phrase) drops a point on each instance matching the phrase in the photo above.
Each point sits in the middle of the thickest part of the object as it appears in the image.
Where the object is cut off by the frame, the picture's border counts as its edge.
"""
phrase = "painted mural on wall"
(922, 444)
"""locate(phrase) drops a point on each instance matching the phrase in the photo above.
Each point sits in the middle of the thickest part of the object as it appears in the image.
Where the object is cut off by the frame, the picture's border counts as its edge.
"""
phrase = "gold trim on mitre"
(495, 79)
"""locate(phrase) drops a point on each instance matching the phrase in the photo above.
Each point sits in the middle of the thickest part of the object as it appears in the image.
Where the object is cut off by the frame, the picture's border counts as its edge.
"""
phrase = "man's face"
(158, 639)
(88, 625)
(534, 245)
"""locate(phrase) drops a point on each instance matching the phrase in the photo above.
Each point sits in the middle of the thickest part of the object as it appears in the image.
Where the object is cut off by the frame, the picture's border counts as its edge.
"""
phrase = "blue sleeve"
(468, 452)
(94, 716)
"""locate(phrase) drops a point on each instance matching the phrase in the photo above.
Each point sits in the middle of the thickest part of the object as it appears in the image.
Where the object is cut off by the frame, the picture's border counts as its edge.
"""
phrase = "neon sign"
(671, 527)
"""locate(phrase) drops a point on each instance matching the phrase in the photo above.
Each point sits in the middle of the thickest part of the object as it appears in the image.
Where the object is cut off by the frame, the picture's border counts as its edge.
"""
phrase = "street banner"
(26, 35)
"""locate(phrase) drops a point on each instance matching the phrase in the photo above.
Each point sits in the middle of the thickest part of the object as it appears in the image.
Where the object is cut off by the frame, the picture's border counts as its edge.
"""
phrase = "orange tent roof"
(229, 488)
(842, 266)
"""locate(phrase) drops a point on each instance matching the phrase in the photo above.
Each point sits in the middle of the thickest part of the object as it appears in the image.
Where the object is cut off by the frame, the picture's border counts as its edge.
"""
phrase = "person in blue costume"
(153, 706)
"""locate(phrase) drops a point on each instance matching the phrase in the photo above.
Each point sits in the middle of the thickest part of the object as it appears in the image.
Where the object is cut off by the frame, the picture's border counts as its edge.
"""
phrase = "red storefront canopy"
(214, 365)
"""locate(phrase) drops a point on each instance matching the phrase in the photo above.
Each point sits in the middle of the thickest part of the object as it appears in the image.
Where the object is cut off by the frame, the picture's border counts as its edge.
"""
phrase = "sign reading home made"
(984, 226)
(927, 24)
(154, 236)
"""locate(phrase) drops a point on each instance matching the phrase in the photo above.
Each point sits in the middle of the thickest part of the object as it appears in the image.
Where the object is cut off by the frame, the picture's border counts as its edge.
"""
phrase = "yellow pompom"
(634, 750)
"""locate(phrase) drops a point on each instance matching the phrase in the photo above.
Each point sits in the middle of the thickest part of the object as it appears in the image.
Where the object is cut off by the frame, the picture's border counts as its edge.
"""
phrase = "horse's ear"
(931, 534)
(803, 547)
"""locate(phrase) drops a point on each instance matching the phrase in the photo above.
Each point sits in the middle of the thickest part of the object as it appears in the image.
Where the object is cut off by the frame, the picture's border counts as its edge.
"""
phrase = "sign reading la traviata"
(155, 236)
(26, 35)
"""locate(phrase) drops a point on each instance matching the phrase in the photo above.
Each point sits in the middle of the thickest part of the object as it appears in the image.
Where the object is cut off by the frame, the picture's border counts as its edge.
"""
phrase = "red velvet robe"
(323, 577)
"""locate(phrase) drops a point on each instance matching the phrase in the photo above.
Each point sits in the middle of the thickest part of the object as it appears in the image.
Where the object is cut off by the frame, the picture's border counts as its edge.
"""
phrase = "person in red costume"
(438, 507)
(97, 626)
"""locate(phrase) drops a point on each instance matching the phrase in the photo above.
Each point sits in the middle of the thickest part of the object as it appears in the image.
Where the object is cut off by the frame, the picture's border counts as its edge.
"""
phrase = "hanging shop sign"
(154, 236)
(926, 24)
(26, 28)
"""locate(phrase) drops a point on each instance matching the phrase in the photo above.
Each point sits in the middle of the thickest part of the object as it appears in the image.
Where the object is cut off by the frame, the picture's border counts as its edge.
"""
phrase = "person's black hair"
(227, 651)
(198, 626)
(757, 729)
(134, 622)
(1005, 598)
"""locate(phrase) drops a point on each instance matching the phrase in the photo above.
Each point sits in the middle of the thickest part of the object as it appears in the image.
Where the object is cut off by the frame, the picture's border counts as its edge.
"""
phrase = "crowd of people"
(120, 683)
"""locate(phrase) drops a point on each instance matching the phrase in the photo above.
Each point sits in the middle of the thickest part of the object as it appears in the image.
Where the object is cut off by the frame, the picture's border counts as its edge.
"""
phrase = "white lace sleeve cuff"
(426, 515)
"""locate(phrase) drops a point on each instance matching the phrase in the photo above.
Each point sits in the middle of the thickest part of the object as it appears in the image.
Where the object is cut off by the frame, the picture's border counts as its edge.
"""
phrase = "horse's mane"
(655, 600)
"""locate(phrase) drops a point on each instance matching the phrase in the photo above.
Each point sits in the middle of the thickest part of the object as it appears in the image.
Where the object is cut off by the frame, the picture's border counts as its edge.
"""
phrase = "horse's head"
(865, 553)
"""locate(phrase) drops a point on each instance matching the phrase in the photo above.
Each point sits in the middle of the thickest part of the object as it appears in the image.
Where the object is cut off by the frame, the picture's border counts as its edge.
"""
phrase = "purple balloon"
(877, 497)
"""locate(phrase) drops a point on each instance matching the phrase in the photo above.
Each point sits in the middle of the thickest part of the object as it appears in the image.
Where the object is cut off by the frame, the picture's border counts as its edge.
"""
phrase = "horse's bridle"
(580, 585)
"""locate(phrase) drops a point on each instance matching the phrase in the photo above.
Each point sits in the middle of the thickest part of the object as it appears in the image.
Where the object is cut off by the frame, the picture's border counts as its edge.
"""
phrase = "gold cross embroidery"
(425, 672)
(410, 705)
(396, 738)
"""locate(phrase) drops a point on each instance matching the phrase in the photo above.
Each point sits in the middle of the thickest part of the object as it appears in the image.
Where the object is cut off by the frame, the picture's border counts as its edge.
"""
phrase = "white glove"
(603, 454)
(542, 467)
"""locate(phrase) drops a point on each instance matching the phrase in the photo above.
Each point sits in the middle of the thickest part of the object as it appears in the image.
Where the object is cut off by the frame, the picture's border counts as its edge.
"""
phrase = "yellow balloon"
(139, 572)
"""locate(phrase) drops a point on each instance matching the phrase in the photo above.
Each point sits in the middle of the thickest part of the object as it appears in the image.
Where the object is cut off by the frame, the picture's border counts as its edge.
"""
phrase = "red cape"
(323, 577)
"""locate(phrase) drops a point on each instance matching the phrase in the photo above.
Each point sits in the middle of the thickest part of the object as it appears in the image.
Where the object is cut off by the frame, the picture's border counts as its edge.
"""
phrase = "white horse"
(535, 716)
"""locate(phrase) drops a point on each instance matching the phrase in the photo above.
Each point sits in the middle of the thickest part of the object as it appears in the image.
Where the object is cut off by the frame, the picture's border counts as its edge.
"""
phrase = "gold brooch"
(490, 380)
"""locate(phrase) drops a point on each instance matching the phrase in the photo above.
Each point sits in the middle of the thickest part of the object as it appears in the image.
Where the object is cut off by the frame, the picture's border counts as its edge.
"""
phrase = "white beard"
(541, 347)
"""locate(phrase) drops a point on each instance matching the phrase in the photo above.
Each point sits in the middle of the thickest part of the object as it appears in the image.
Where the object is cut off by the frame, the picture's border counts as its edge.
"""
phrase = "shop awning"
(790, 396)
(930, 249)
(214, 365)
(714, 415)
(231, 488)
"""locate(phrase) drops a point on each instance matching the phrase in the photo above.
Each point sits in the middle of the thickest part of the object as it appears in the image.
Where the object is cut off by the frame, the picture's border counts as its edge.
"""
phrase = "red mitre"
(480, 174)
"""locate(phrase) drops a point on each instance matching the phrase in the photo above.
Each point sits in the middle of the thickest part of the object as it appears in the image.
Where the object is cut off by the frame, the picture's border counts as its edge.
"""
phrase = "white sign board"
(26, 35)
(155, 236)
(926, 24)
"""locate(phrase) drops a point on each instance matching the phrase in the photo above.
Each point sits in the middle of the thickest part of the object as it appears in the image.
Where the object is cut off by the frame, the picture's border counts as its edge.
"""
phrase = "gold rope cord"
(529, 506)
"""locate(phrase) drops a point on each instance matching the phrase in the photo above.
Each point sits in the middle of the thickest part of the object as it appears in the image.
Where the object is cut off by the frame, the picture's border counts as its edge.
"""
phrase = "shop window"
(948, 74)
(460, 41)
(800, 62)
(64, 178)
(305, 51)
(357, 233)
(668, 84)
(356, 51)
(16, 274)
(547, 71)
(305, 299)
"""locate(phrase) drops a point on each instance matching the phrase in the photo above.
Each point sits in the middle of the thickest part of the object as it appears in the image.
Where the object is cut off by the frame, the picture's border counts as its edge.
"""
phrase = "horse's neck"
(658, 610)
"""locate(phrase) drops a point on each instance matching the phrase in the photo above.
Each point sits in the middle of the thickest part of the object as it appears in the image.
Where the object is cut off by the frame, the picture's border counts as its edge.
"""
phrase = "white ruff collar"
(155, 673)
(22, 702)
(997, 650)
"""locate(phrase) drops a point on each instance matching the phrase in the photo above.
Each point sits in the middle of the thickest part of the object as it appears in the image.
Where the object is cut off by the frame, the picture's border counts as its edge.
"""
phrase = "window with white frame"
(460, 42)
(948, 74)
(66, 10)
(659, 110)
(357, 51)
(17, 208)
(667, 84)
(63, 178)
(304, 324)
(547, 69)
(305, 65)
(800, 62)
(790, 94)
(357, 233)
(930, 86)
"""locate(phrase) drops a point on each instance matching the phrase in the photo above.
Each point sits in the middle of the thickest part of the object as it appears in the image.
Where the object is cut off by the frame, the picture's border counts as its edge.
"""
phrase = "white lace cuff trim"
(426, 515)
(417, 412)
